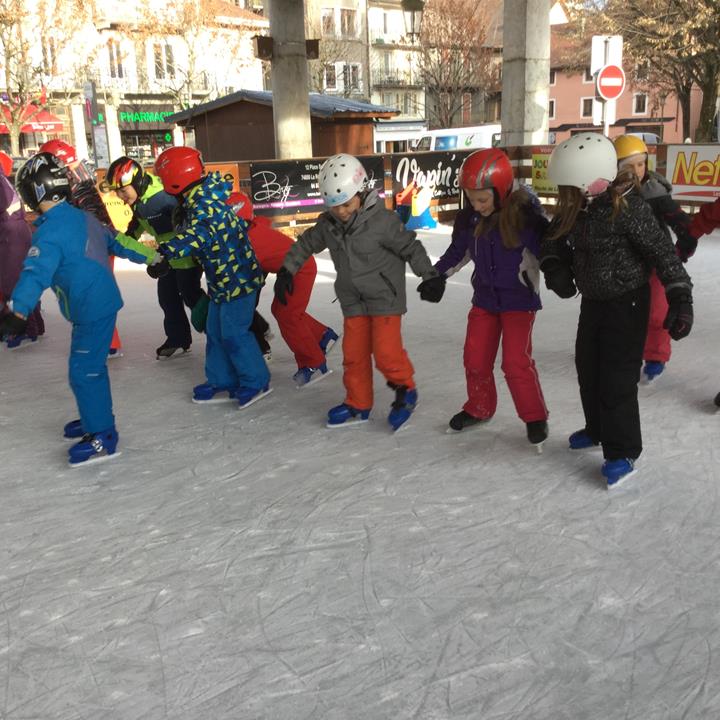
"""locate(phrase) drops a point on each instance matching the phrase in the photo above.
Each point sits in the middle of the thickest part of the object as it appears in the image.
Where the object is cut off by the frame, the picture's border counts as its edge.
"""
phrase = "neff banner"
(291, 186)
(439, 170)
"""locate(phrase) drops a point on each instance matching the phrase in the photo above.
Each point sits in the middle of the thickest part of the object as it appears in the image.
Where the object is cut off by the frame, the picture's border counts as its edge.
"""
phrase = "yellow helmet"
(627, 145)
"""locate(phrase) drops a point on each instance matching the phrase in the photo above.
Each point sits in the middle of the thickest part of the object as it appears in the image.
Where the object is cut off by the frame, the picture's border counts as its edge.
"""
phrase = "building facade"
(140, 63)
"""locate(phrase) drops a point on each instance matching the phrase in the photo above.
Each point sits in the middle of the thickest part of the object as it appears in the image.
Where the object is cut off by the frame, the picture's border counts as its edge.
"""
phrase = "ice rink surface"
(253, 564)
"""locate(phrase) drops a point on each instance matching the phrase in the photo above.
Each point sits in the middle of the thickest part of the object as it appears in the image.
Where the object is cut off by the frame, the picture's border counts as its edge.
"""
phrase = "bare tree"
(675, 42)
(453, 58)
(197, 26)
(34, 39)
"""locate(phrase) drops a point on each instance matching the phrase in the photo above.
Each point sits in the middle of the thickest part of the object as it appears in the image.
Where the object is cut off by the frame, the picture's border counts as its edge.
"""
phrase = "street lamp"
(412, 15)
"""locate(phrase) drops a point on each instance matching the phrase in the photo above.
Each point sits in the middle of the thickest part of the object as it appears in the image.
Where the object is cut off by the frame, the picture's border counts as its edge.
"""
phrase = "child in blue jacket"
(209, 231)
(70, 253)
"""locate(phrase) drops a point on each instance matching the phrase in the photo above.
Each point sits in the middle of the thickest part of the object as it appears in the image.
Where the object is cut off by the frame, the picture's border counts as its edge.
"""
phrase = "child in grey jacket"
(369, 247)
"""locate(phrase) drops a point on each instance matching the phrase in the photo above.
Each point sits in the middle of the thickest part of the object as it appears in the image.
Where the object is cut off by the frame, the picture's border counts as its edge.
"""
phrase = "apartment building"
(144, 60)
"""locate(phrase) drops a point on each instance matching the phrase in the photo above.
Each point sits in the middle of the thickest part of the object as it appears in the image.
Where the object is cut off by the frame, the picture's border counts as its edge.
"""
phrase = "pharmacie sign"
(694, 171)
(144, 118)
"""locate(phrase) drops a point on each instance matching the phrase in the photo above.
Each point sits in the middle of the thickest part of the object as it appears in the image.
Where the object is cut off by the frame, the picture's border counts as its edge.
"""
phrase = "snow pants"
(657, 343)
(608, 355)
(232, 357)
(365, 337)
(176, 290)
(300, 330)
(13, 251)
(89, 379)
(485, 331)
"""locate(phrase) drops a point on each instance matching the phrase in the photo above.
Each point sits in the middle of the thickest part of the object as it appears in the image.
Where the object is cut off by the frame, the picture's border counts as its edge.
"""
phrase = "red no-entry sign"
(610, 82)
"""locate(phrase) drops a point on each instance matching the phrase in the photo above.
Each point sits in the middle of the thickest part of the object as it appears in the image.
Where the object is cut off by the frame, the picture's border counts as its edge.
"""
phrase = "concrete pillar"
(291, 108)
(526, 72)
(115, 146)
(77, 113)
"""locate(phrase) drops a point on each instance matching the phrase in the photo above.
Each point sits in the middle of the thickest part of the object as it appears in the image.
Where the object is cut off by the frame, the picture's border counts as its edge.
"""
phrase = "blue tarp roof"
(320, 105)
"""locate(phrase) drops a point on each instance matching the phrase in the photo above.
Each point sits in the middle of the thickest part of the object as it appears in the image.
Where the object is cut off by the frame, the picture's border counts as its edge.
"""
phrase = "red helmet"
(61, 150)
(6, 164)
(486, 170)
(178, 168)
(241, 205)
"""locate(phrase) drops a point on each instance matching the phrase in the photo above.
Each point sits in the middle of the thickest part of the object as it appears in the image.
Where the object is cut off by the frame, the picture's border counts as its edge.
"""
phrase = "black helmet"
(42, 177)
(125, 171)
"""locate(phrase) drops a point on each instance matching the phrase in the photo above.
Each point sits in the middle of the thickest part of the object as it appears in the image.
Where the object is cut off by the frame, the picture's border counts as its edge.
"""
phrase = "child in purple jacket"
(15, 239)
(500, 232)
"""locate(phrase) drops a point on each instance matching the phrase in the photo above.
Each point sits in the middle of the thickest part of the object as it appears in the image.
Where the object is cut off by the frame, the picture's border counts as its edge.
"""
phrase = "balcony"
(396, 78)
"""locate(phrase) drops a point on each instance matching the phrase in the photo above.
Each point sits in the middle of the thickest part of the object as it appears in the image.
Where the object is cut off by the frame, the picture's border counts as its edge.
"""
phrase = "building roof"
(223, 9)
(323, 106)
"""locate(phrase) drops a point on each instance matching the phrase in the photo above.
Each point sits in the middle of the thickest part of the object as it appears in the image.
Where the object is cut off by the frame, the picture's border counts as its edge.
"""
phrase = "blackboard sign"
(283, 187)
(439, 170)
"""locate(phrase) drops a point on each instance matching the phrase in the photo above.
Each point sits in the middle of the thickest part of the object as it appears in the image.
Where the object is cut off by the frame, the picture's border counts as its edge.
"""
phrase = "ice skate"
(73, 430)
(328, 340)
(652, 369)
(94, 447)
(210, 394)
(537, 432)
(309, 376)
(166, 351)
(580, 440)
(248, 396)
(402, 407)
(463, 420)
(617, 471)
(344, 415)
(20, 341)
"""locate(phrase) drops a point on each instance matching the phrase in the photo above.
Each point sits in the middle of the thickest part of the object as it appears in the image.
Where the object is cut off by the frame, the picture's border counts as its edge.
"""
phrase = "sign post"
(606, 50)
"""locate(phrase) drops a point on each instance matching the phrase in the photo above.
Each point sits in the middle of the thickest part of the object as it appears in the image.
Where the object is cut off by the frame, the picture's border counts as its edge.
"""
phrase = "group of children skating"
(607, 240)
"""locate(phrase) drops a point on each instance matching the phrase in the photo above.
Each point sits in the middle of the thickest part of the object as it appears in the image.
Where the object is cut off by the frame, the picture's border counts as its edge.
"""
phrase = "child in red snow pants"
(484, 332)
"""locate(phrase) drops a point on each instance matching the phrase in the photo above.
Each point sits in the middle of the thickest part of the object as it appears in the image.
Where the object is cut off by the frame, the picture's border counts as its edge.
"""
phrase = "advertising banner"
(437, 170)
(539, 178)
(283, 187)
(694, 171)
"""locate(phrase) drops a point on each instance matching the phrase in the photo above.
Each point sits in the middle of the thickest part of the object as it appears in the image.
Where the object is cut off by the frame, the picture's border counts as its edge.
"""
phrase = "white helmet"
(341, 178)
(586, 161)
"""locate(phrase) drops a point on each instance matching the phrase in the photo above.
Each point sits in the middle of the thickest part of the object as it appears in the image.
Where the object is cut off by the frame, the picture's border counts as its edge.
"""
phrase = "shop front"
(144, 131)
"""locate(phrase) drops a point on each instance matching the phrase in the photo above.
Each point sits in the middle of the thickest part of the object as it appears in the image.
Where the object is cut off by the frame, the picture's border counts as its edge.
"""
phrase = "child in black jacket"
(604, 243)
(632, 154)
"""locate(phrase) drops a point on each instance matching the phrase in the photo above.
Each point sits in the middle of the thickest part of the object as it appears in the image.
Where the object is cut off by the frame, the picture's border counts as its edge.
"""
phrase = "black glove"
(686, 245)
(283, 285)
(159, 267)
(559, 278)
(679, 318)
(12, 325)
(432, 289)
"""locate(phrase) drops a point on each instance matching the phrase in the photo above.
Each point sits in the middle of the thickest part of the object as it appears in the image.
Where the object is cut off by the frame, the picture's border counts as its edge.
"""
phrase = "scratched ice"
(255, 565)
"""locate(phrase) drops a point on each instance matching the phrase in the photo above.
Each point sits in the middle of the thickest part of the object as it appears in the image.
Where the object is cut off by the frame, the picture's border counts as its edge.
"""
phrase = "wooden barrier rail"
(444, 210)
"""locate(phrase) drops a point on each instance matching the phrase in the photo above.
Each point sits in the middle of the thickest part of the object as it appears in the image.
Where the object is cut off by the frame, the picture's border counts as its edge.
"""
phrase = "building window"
(639, 104)
(588, 76)
(586, 107)
(116, 68)
(164, 61)
(347, 23)
(330, 77)
(327, 21)
(351, 76)
(641, 71)
(466, 109)
(551, 109)
(410, 104)
(553, 76)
